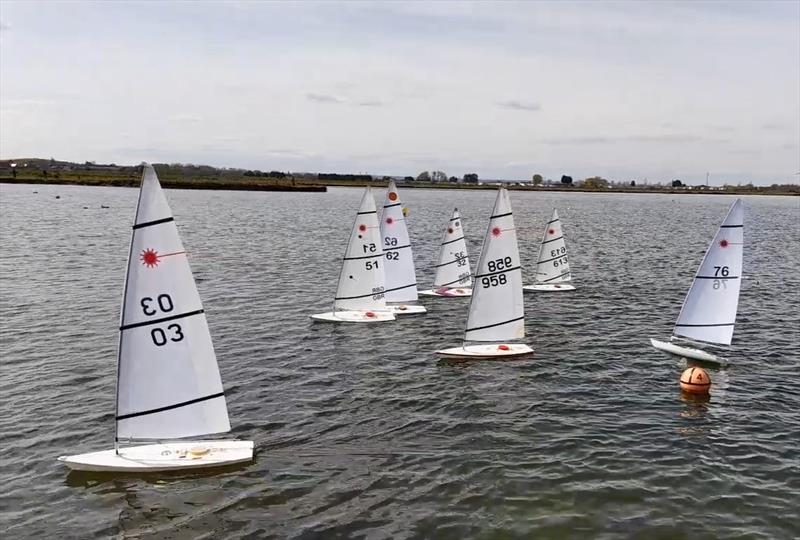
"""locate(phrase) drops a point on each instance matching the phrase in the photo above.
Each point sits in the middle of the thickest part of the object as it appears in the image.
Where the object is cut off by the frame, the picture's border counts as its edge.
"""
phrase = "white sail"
(401, 279)
(168, 380)
(362, 279)
(496, 310)
(553, 265)
(452, 266)
(709, 311)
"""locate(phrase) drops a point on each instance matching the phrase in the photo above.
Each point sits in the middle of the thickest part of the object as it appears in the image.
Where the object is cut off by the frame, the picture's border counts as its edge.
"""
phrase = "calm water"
(360, 432)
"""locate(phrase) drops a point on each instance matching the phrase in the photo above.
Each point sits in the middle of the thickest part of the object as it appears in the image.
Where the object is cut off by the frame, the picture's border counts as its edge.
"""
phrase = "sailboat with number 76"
(709, 311)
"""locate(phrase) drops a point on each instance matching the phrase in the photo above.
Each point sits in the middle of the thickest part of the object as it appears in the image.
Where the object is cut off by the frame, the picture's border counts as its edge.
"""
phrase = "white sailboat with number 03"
(401, 277)
(709, 311)
(453, 278)
(496, 309)
(168, 382)
(360, 295)
(552, 266)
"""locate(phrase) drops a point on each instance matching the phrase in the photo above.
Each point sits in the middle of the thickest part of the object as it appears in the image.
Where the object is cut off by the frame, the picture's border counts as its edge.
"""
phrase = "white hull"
(687, 352)
(549, 287)
(173, 456)
(462, 292)
(406, 309)
(487, 352)
(365, 316)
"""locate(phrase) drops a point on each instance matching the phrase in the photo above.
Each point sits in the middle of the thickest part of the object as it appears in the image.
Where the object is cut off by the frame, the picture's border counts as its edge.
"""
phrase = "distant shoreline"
(321, 186)
(169, 184)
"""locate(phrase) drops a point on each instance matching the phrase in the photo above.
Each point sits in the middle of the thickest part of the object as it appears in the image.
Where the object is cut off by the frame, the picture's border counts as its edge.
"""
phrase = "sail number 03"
(162, 303)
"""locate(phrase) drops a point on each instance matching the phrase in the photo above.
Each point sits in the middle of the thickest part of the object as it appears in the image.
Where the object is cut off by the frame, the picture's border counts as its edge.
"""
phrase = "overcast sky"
(622, 90)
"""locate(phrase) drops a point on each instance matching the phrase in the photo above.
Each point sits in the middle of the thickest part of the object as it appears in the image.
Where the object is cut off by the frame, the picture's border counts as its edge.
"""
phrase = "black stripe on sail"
(391, 205)
(445, 264)
(704, 325)
(364, 257)
(552, 221)
(553, 259)
(731, 226)
(369, 212)
(399, 288)
(557, 277)
(502, 215)
(151, 223)
(553, 240)
(493, 325)
(396, 248)
(497, 272)
(451, 241)
(161, 320)
(169, 407)
(455, 218)
(716, 277)
(459, 280)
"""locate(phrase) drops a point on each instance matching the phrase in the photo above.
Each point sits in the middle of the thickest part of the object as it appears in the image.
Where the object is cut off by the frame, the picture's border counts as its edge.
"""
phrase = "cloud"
(519, 106)
(323, 98)
(661, 139)
(370, 104)
(184, 119)
(4, 26)
(773, 127)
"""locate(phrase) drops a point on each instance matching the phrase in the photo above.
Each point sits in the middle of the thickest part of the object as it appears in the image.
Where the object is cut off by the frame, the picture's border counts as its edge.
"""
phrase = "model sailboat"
(168, 382)
(453, 277)
(552, 266)
(401, 278)
(496, 309)
(362, 281)
(708, 314)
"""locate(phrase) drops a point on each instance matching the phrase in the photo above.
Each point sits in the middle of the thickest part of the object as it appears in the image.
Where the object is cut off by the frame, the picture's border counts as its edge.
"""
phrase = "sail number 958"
(161, 304)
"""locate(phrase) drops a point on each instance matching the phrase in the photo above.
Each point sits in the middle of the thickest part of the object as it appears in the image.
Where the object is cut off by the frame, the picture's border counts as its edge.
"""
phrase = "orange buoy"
(503, 347)
(695, 380)
(369, 314)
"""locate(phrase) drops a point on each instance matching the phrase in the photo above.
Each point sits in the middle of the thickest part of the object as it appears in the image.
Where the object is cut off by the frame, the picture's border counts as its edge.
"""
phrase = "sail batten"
(167, 367)
(496, 310)
(709, 310)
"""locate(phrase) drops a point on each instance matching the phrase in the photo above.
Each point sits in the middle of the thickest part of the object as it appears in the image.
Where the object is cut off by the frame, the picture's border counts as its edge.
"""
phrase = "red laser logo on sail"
(389, 220)
(149, 258)
(496, 231)
(723, 243)
(551, 231)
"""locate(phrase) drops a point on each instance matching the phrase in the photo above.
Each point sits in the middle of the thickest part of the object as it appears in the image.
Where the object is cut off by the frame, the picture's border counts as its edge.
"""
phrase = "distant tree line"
(270, 174)
(350, 177)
